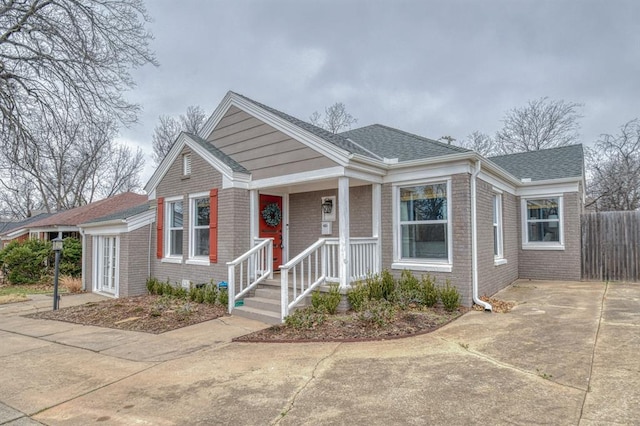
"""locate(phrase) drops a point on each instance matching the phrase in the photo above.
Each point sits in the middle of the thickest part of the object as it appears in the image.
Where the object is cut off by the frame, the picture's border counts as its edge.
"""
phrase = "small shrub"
(305, 318)
(223, 297)
(428, 291)
(388, 284)
(450, 297)
(152, 285)
(375, 288)
(210, 294)
(180, 292)
(326, 302)
(194, 293)
(358, 295)
(407, 290)
(73, 284)
(377, 313)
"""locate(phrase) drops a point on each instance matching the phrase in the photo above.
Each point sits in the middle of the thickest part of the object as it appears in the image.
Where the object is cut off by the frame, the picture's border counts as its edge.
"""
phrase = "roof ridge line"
(448, 145)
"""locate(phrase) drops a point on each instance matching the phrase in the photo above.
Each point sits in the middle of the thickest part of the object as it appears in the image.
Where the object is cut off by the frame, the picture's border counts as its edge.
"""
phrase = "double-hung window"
(200, 212)
(498, 237)
(174, 228)
(423, 228)
(542, 227)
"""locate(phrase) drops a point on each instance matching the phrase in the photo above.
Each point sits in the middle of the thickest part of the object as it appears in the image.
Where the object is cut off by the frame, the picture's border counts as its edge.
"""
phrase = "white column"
(376, 223)
(254, 205)
(343, 212)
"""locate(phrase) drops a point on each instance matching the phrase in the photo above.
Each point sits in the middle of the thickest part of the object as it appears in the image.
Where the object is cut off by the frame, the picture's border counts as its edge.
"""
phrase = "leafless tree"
(614, 169)
(336, 118)
(69, 163)
(541, 124)
(168, 129)
(481, 143)
(71, 53)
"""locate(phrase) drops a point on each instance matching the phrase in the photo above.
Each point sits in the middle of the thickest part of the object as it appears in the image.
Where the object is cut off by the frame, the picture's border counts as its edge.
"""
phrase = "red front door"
(271, 225)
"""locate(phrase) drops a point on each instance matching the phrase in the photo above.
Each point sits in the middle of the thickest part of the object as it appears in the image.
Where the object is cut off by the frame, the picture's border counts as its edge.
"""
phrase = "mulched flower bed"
(149, 314)
(348, 327)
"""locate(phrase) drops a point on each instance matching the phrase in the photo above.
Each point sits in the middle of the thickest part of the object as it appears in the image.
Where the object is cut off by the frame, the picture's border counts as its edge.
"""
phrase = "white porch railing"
(319, 264)
(250, 269)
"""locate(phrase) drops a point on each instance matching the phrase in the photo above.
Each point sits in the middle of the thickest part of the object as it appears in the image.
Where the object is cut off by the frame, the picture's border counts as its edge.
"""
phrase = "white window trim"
(542, 245)
(169, 258)
(426, 265)
(498, 259)
(193, 259)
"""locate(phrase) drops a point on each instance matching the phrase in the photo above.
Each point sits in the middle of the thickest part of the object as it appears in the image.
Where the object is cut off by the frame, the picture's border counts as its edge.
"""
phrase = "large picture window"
(199, 235)
(423, 222)
(542, 222)
(174, 228)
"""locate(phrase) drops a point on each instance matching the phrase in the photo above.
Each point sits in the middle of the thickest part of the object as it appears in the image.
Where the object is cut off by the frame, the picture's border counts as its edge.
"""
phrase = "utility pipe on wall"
(474, 240)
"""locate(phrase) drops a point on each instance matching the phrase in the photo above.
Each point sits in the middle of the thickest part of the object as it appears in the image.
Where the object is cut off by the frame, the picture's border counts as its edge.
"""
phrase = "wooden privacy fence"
(611, 246)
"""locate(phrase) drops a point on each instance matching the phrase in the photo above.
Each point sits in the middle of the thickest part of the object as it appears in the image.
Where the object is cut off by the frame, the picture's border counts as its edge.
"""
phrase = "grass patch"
(28, 289)
(12, 298)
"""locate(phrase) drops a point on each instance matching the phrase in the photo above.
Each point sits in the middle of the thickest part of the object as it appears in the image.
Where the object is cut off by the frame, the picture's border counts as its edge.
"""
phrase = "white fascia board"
(55, 228)
(356, 174)
(468, 156)
(431, 172)
(164, 166)
(548, 189)
(496, 182)
(312, 141)
(296, 178)
(119, 226)
(17, 233)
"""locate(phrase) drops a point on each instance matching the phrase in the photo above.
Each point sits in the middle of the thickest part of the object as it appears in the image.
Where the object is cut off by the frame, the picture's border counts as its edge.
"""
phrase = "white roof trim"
(312, 141)
(182, 141)
(118, 226)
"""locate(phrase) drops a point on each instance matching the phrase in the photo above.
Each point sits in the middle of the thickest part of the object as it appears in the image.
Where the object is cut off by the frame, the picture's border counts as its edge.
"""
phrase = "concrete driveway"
(568, 354)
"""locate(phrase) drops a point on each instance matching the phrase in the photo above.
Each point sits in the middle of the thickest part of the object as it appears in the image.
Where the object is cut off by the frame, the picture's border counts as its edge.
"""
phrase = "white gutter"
(474, 240)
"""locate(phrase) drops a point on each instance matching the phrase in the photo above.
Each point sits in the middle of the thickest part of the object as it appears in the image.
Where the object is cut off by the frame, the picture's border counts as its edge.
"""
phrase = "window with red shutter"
(159, 227)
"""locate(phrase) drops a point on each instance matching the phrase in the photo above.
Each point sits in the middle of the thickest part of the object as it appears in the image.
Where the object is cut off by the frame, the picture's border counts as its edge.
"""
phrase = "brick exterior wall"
(492, 277)
(555, 264)
(233, 221)
(305, 217)
(460, 275)
(134, 266)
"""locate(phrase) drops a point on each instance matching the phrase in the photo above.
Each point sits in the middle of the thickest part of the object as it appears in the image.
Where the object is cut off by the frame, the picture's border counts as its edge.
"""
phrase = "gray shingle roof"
(393, 143)
(554, 163)
(123, 214)
(336, 139)
(235, 166)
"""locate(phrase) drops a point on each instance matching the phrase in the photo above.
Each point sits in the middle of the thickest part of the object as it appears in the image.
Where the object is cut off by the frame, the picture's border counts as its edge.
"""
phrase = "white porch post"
(343, 212)
(376, 224)
(253, 215)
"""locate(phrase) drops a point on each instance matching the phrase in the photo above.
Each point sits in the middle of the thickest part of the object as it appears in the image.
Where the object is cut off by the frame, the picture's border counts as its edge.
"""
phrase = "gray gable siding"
(262, 150)
(554, 163)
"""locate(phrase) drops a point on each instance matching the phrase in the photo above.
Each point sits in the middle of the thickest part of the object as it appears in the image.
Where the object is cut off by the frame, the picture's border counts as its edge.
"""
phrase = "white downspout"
(149, 250)
(84, 260)
(474, 240)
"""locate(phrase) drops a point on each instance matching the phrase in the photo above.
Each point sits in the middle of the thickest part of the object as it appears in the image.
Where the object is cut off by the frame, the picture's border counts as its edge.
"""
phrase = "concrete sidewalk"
(567, 354)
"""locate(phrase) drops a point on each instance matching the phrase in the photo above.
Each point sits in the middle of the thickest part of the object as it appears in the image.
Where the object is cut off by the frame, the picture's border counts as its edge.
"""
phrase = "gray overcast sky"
(429, 67)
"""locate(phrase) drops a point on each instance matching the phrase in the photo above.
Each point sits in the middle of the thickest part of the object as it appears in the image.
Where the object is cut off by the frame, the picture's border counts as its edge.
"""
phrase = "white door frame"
(113, 272)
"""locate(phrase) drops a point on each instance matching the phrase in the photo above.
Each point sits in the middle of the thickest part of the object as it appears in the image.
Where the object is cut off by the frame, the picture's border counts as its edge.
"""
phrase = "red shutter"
(213, 226)
(160, 227)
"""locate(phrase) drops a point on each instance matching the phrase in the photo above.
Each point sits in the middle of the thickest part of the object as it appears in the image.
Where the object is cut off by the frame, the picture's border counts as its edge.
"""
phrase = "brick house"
(261, 198)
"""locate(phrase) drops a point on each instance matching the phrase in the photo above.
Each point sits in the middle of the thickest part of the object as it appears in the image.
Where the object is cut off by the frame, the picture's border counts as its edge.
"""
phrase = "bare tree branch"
(336, 118)
(542, 124)
(169, 128)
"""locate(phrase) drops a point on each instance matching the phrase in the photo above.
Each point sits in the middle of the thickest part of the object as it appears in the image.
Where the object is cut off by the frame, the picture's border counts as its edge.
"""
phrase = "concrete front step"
(265, 304)
(267, 317)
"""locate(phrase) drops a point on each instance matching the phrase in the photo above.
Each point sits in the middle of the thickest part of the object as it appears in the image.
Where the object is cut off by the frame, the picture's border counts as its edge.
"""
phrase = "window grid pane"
(543, 220)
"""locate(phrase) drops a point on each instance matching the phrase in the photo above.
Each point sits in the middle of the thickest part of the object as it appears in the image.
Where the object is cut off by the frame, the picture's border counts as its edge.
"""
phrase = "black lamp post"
(57, 248)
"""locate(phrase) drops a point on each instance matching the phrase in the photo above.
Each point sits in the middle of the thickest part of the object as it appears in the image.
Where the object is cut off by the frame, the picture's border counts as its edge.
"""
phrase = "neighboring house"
(65, 223)
(18, 230)
(257, 191)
